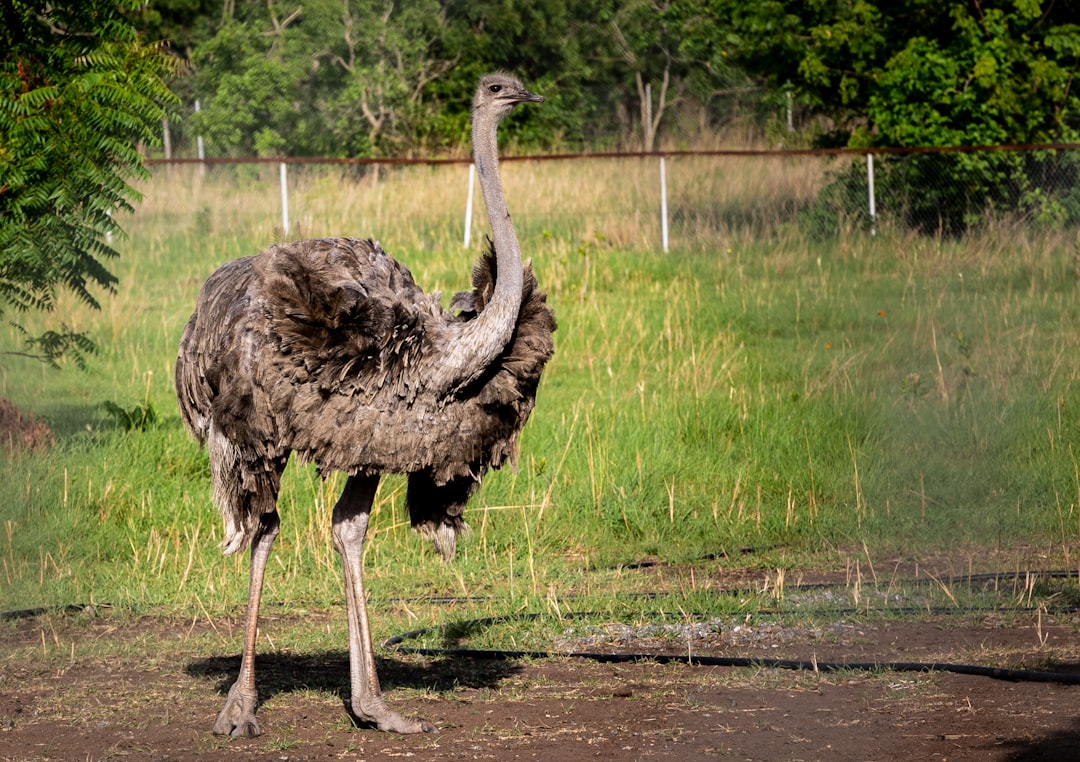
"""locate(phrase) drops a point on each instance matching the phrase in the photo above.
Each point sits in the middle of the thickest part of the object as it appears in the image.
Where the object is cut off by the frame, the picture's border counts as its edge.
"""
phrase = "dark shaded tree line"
(351, 78)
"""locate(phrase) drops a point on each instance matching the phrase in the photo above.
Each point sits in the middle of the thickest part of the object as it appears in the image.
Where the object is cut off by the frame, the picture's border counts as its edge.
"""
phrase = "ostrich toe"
(387, 719)
(237, 718)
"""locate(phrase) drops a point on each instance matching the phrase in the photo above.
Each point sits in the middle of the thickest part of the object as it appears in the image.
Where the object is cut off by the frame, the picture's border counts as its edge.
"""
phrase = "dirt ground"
(144, 689)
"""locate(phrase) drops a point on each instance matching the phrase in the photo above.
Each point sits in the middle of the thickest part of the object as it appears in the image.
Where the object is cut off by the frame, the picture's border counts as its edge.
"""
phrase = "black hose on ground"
(997, 673)
(71, 608)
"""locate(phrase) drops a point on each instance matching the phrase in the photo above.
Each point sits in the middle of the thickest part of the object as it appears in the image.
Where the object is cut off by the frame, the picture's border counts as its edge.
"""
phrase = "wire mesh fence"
(952, 191)
(677, 199)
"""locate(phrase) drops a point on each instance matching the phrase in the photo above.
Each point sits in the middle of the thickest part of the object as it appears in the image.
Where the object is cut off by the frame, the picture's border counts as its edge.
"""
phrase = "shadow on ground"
(328, 671)
(1059, 745)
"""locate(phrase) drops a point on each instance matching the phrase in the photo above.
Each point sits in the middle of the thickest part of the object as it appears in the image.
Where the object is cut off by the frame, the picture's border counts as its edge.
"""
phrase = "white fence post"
(284, 199)
(468, 205)
(870, 192)
(166, 138)
(199, 147)
(663, 205)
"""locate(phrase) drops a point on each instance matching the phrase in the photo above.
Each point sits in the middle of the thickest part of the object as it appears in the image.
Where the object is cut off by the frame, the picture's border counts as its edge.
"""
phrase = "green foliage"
(51, 346)
(333, 78)
(557, 46)
(377, 79)
(920, 73)
(992, 80)
(139, 417)
(841, 204)
(329, 79)
(78, 92)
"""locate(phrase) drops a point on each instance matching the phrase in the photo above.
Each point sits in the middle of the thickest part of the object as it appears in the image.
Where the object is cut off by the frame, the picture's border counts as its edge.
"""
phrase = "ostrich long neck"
(507, 295)
(483, 339)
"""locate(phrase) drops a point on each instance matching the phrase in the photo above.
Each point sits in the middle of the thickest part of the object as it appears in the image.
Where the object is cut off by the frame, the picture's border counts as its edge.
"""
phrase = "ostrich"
(327, 349)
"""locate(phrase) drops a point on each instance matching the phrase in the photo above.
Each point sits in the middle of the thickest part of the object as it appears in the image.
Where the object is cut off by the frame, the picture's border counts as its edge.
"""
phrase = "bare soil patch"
(78, 687)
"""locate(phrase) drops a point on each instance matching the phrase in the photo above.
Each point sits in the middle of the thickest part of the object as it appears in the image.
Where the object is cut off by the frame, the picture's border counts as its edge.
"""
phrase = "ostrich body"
(327, 348)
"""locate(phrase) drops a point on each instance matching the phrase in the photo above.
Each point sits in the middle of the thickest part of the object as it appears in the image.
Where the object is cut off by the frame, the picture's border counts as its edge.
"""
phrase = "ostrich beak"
(526, 97)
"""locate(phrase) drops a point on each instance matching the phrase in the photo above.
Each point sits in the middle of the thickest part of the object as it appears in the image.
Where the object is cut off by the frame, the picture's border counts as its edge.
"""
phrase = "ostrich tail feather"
(435, 510)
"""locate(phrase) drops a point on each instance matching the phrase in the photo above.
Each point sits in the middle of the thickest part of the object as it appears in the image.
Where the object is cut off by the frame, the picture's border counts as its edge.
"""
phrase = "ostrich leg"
(350, 526)
(238, 716)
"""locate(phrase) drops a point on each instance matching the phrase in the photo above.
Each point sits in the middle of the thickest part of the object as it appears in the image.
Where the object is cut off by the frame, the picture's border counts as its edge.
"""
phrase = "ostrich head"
(499, 93)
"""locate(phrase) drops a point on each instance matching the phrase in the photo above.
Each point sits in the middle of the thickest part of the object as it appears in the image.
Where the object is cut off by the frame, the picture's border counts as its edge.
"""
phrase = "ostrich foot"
(237, 719)
(387, 719)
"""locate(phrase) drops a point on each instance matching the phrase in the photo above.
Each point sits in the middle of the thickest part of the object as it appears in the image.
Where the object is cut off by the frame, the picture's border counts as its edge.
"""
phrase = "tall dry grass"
(710, 199)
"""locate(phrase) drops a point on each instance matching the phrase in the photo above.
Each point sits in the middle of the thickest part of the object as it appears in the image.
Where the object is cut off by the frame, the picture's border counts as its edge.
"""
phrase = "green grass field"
(753, 388)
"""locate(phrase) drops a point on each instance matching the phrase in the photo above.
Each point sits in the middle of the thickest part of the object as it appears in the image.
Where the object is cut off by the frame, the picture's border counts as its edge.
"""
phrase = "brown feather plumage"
(321, 348)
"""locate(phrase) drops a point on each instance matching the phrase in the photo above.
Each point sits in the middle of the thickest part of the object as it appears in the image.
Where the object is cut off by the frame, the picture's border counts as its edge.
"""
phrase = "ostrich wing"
(323, 348)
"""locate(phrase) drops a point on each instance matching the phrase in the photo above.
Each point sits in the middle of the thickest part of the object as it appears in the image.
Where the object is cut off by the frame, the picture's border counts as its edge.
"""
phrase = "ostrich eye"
(495, 88)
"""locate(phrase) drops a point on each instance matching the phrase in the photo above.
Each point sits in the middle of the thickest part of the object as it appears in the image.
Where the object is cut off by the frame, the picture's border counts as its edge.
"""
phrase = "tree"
(328, 78)
(383, 64)
(393, 77)
(915, 73)
(647, 50)
(994, 76)
(352, 78)
(78, 92)
(556, 46)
